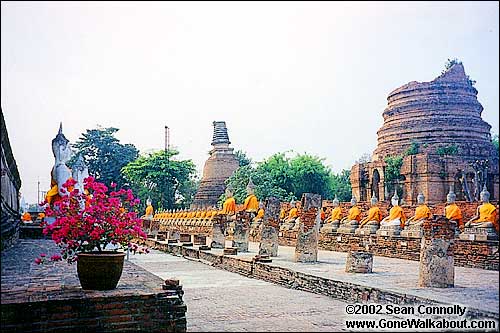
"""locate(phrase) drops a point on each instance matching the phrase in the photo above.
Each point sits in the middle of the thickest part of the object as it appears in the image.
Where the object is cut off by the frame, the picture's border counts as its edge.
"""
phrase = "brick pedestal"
(269, 235)
(306, 249)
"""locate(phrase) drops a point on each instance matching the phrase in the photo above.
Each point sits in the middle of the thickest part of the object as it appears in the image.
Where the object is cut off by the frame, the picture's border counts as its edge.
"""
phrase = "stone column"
(218, 230)
(436, 254)
(242, 231)
(306, 249)
(269, 234)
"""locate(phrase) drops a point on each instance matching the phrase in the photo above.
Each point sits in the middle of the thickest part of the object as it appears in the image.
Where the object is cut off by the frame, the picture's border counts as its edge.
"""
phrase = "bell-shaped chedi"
(436, 127)
(220, 166)
(435, 114)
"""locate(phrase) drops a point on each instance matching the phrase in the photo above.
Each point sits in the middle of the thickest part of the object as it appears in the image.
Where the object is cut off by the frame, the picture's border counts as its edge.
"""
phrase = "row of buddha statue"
(395, 224)
(204, 216)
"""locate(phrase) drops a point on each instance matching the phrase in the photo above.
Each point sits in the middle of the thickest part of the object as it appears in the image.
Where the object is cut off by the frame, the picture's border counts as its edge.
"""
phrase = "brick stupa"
(440, 116)
(220, 166)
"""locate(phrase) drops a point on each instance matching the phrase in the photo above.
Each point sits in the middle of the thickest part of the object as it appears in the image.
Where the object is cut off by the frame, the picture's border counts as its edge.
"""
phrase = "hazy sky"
(308, 77)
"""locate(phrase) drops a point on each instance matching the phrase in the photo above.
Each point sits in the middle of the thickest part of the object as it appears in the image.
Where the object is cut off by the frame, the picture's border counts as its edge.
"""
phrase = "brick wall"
(466, 253)
(164, 312)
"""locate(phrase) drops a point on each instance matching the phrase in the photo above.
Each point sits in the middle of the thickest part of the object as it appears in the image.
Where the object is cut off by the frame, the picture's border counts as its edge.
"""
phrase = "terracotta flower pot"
(100, 270)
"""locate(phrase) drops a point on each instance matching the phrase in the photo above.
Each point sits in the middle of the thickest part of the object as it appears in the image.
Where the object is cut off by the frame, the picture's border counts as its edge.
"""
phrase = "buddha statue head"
(229, 192)
(261, 205)
(353, 201)
(148, 201)
(420, 199)
(373, 200)
(292, 204)
(336, 202)
(395, 198)
(451, 197)
(250, 187)
(485, 195)
(60, 147)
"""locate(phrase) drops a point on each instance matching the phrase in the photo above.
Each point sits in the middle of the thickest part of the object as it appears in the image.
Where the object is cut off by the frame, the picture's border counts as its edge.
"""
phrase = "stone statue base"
(367, 229)
(218, 238)
(479, 234)
(306, 249)
(436, 269)
(348, 228)
(359, 262)
(389, 230)
(413, 231)
(296, 225)
(268, 242)
(330, 227)
(287, 226)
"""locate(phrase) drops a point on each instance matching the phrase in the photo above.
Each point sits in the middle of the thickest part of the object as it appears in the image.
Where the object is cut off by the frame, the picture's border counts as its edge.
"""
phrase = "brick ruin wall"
(435, 115)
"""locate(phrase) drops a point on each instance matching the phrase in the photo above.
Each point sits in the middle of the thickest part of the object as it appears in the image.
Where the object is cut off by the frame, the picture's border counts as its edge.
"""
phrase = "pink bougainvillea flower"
(38, 261)
(56, 257)
(105, 218)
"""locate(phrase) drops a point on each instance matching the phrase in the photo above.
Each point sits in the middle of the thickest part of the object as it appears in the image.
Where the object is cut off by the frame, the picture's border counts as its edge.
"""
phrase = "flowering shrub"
(90, 221)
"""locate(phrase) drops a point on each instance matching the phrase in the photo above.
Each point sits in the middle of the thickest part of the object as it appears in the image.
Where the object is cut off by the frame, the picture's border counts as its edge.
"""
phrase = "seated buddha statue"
(452, 212)
(392, 224)
(257, 220)
(26, 217)
(371, 222)
(333, 221)
(60, 172)
(290, 221)
(251, 203)
(422, 213)
(486, 214)
(149, 210)
(229, 205)
(351, 222)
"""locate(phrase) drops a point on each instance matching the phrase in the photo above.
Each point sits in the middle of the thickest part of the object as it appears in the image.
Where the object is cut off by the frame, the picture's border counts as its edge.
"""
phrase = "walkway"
(218, 300)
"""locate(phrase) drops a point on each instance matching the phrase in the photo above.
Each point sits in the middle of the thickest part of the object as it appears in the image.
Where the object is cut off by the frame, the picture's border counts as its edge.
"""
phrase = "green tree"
(283, 178)
(168, 182)
(242, 157)
(413, 149)
(104, 155)
(341, 185)
(392, 172)
(447, 150)
(310, 175)
(494, 140)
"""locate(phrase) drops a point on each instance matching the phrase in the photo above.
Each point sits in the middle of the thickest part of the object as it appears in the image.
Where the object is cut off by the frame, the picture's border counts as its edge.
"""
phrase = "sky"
(307, 77)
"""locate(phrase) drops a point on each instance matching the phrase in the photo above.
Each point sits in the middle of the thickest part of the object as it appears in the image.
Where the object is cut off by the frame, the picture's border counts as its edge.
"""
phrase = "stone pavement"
(218, 300)
(25, 281)
(477, 288)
